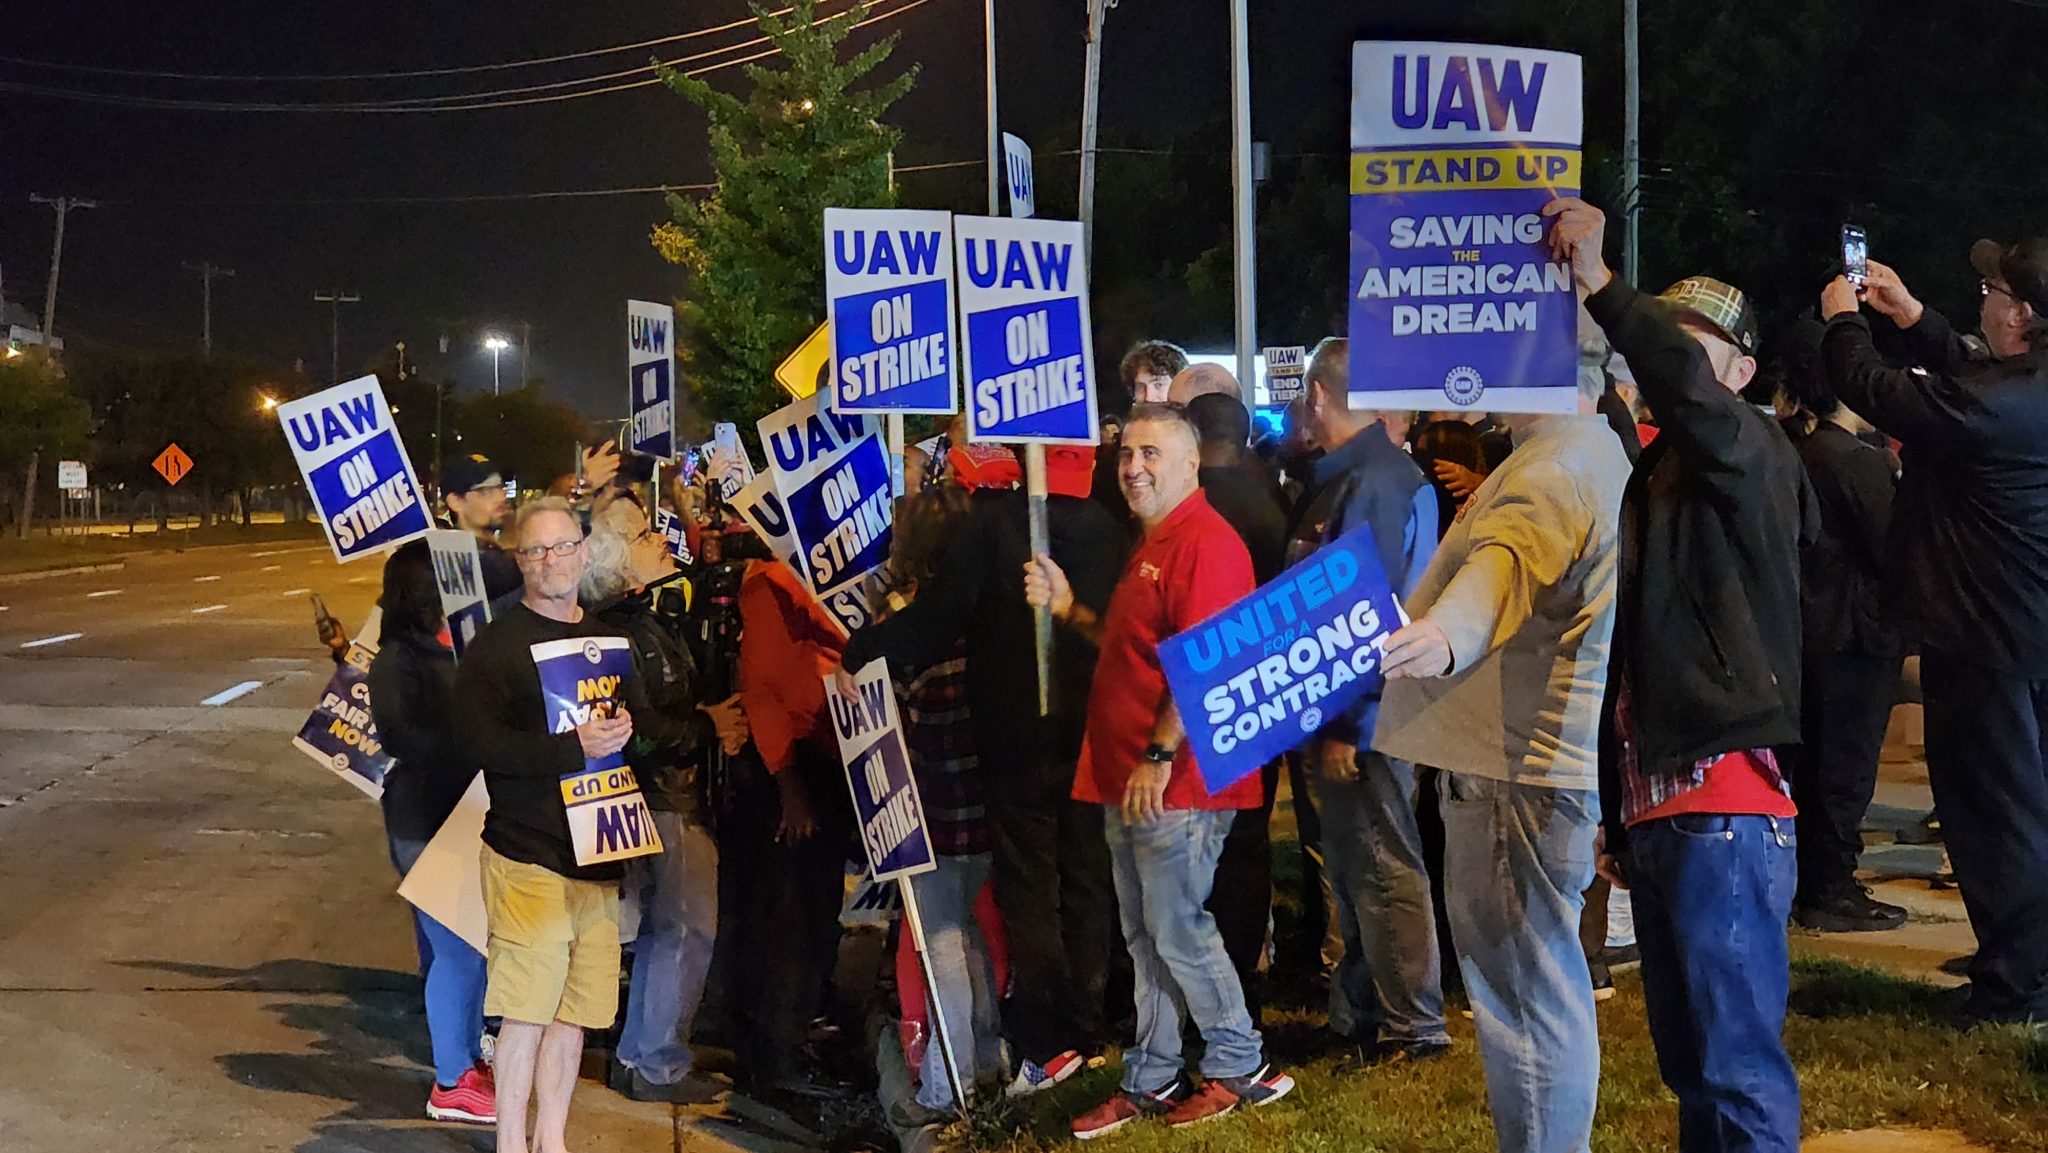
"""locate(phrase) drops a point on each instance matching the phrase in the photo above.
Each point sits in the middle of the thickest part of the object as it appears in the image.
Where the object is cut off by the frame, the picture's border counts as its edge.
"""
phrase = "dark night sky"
(185, 186)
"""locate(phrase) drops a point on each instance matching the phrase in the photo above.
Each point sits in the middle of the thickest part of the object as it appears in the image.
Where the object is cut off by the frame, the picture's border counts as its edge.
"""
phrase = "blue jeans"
(1164, 870)
(964, 979)
(455, 983)
(1372, 850)
(1517, 862)
(1711, 896)
(678, 890)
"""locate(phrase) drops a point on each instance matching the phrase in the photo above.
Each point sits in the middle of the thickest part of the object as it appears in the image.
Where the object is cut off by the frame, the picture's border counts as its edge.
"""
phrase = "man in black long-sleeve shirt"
(1052, 876)
(1969, 580)
(554, 925)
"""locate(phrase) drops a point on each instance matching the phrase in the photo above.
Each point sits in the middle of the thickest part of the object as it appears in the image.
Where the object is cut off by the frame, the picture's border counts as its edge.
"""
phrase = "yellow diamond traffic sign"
(803, 372)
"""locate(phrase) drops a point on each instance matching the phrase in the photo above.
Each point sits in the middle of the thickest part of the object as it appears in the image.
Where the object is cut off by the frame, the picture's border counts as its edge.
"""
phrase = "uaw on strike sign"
(608, 818)
(355, 468)
(1024, 304)
(885, 800)
(889, 290)
(1456, 301)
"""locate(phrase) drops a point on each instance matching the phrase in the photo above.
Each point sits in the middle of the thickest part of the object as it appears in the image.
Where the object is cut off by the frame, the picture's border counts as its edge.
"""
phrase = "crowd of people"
(1635, 712)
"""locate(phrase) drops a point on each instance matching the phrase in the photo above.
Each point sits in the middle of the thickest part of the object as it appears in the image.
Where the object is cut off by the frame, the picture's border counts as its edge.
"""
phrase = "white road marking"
(208, 609)
(59, 639)
(361, 580)
(288, 551)
(225, 695)
(104, 593)
(271, 567)
(296, 592)
(204, 579)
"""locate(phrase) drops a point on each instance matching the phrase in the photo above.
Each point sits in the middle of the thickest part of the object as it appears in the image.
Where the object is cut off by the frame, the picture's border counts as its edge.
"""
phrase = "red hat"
(1070, 469)
(985, 466)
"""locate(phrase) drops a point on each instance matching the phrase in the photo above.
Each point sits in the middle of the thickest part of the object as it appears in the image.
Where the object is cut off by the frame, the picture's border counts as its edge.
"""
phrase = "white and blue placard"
(459, 574)
(1270, 671)
(355, 466)
(341, 735)
(651, 372)
(885, 801)
(831, 475)
(1017, 166)
(669, 527)
(1456, 300)
(889, 296)
(1025, 333)
(1285, 366)
(801, 436)
(608, 817)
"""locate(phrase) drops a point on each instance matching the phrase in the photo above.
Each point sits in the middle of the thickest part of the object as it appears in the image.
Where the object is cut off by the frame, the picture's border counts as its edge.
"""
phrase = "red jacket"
(788, 642)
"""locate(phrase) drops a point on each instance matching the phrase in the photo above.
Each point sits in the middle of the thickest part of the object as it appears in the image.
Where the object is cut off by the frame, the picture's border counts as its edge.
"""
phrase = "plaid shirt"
(937, 730)
(1644, 791)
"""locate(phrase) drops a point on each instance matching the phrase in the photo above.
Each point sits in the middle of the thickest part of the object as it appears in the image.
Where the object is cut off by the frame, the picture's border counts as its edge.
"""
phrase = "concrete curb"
(70, 570)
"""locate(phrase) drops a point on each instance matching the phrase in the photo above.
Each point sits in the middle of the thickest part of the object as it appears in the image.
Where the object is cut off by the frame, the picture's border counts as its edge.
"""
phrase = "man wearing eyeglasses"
(473, 487)
(554, 925)
(1969, 578)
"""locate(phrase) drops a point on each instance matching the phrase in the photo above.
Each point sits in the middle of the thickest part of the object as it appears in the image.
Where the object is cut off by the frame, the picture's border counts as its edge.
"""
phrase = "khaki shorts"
(554, 945)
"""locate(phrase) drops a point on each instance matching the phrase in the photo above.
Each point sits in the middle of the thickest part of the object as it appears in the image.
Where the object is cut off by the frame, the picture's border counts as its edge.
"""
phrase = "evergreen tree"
(808, 136)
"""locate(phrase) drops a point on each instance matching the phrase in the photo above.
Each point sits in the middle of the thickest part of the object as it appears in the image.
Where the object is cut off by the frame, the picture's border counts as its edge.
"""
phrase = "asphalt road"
(200, 948)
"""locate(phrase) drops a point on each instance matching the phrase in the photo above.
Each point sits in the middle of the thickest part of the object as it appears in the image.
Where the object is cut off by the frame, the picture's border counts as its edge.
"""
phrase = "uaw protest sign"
(341, 735)
(608, 818)
(1455, 299)
(889, 296)
(1025, 333)
(885, 800)
(831, 476)
(459, 575)
(1271, 670)
(355, 468)
(651, 369)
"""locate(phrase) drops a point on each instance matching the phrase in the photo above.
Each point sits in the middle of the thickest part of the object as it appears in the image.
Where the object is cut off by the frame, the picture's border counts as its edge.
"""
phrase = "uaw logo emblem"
(1464, 386)
(1311, 719)
(591, 652)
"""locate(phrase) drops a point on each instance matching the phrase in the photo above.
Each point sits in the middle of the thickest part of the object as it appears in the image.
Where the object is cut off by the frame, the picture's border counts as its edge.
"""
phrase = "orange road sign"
(172, 464)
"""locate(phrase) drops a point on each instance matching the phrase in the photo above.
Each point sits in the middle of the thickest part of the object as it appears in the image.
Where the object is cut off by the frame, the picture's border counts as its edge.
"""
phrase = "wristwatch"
(1158, 754)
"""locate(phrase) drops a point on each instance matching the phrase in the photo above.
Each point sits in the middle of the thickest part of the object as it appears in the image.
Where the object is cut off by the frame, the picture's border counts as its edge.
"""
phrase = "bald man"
(1201, 380)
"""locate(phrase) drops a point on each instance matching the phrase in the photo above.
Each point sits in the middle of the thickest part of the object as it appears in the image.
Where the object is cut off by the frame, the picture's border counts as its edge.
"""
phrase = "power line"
(118, 100)
(316, 77)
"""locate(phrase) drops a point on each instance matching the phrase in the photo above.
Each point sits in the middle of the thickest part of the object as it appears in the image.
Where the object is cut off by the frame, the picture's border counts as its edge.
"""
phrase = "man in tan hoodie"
(1498, 682)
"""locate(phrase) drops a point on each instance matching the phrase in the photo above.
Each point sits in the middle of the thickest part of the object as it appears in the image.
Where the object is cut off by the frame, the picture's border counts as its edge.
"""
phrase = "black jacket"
(412, 683)
(1968, 548)
(1254, 506)
(673, 780)
(978, 593)
(1707, 629)
(1841, 573)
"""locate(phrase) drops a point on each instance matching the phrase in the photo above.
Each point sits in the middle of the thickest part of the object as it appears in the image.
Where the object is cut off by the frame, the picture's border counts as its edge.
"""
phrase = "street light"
(269, 402)
(497, 344)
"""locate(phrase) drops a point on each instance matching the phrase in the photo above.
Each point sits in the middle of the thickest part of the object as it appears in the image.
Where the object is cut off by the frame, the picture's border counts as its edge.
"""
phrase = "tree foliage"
(41, 419)
(807, 136)
(530, 436)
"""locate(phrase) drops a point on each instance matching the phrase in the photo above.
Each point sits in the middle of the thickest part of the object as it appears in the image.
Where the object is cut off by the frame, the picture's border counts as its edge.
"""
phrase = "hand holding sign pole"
(890, 815)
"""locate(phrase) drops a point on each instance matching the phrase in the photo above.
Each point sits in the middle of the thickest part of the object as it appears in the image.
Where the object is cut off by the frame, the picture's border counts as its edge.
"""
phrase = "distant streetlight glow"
(497, 345)
(269, 402)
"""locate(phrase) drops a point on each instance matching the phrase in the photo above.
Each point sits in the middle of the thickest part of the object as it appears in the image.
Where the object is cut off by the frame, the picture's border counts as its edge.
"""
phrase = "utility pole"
(207, 270)
(995, 139)
(525, 351)
(1091, 115)
(1631, 149)
(1244, 241)
(334, 300)
(63, 205)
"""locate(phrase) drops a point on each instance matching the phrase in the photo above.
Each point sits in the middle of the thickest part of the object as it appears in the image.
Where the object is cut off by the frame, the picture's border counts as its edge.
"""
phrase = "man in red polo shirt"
(1165, 829)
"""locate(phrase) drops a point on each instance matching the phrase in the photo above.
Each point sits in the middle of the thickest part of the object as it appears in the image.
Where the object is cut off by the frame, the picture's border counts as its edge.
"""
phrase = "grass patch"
(1872, 1051)
(48, 552)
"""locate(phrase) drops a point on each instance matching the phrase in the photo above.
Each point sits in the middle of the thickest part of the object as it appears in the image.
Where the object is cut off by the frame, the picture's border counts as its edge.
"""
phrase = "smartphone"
(1855, 253)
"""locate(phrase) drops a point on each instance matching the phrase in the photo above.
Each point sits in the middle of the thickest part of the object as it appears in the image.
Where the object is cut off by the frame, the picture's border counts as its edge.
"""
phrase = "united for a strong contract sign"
(1270, 671)
(1456, 301)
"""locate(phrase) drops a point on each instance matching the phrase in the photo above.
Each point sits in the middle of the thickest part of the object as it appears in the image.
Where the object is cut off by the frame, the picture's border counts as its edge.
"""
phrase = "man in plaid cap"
(1969, 578)
(1704, 683)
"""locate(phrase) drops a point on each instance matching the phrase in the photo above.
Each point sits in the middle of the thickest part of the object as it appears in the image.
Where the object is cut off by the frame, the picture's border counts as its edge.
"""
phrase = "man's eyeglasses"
(1986, 288)
(559, 549)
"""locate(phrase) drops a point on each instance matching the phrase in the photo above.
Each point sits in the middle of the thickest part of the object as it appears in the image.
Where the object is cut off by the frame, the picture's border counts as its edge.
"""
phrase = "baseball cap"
(1069, 469)
(1723, 306)
(467, 472)
(2023, 267)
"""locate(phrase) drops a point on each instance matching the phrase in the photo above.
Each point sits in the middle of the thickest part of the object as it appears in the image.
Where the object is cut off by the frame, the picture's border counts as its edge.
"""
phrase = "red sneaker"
(1126, 1107)
(473, 1100)
(1209, 1102)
